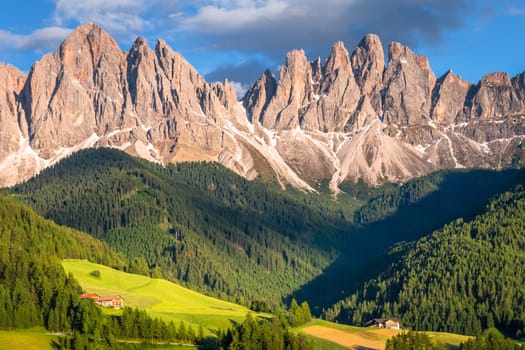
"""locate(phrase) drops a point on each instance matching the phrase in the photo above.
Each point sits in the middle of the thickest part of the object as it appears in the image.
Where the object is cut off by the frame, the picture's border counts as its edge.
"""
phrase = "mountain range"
(350, 117)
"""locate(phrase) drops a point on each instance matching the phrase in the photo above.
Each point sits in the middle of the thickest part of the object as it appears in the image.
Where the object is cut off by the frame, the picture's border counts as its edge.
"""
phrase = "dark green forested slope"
(463, 278)
(396, 213)
(252, 241)
(198, 222)
(36, 292)
(34, 289)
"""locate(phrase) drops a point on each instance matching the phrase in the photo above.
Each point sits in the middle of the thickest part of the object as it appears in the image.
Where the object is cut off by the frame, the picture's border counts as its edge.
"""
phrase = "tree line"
(170, 221)
(464, 278)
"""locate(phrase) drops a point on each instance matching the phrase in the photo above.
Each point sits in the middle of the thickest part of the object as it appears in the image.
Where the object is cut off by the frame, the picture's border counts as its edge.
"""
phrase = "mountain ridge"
(349, 118)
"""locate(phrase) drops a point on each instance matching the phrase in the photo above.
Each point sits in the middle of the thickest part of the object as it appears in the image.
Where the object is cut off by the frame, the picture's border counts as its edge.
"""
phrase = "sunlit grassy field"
(351, 337)
(32, 339)
(158, 297)
(171, 301)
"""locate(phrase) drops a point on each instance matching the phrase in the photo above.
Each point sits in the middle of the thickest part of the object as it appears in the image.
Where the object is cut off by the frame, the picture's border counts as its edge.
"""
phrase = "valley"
(357, 237)
(338, 191)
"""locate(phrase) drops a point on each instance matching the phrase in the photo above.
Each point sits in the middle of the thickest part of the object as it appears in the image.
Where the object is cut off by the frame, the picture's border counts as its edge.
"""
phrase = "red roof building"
(93, 296)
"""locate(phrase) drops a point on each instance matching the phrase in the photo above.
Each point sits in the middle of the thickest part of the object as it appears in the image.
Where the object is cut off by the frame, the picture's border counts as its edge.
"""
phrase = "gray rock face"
(368, 63)
(409, 82)
(10, 86)
(259, 95)
(448, 98)
(347, 119)
(294, 91)
(494, 97)
(13, 125)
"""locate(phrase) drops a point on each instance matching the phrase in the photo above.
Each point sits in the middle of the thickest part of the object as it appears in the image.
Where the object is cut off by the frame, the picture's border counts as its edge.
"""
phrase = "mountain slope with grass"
(158, 297)
(35, 291)
(250, 241)
(197, 222)
(37, 294)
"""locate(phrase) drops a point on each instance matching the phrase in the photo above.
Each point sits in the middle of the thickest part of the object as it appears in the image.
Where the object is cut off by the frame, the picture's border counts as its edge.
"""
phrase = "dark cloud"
(248, 71)
(275, 27)
(243, 75)
(270, 28)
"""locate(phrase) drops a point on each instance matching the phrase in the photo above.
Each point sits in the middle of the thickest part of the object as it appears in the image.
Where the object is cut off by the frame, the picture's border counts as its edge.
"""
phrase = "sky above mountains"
(238, 39)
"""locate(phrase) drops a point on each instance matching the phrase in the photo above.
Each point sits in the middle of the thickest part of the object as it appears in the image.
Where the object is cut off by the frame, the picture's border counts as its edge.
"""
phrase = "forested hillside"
(463, 278)
(195, 222)
(397, 214)
(36, 292)
(250, 241)
(34, 289)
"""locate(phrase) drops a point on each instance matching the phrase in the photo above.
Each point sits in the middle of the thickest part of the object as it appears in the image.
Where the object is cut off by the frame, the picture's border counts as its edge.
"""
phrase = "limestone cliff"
(346, 118)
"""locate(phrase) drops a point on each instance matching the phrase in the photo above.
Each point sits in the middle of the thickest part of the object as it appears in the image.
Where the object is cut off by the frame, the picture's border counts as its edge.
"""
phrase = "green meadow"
(158, 297)
(38, 339)
(170, 301)
(367, 338)
(31, 339)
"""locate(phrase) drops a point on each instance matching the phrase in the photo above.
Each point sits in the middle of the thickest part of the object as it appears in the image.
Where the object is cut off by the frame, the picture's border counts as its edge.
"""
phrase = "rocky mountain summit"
(349, 117)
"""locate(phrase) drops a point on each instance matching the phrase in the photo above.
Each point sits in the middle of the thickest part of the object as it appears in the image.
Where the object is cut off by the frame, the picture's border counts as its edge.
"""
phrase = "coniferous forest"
(176, 220)
(464, 278)
(36, 292)
(444, 252)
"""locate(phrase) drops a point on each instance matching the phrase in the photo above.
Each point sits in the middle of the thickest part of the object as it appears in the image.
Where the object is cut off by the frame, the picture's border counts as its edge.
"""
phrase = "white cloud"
(268, 25)
(216, 18)
(240, 88)
(39, 40)
(118, 16)
(268, 28)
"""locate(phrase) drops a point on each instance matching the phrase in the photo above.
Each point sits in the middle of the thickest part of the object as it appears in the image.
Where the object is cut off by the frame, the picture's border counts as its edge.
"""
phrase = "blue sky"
(239, 39)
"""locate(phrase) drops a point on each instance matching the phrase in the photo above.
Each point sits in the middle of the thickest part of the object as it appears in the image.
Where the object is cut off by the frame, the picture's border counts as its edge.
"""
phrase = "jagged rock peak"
(259, 95)
(295, 59)
(409, 83)
(140, 49)
(163, 49)
(448, 97)
(87, 28)
(268, 74)
(165, 53)
(162, 46)
(339, 58)
(16, 76)
(225, 92)
(494, 97)
(397, 50)
(292, 91)
(368, 64)
(371, 42)
(496, 79)
(140, 42)
(423, 62)
(89, 36)
(368, 60)
(345, 118)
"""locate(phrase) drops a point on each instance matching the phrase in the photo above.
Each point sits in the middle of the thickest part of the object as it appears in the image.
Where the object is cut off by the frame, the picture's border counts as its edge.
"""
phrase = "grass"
(323, 344)
(171, 301)
(352, 337)
(158, 297)
(448, 340)
(30, 339)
